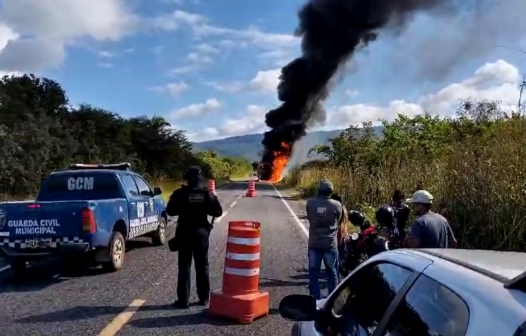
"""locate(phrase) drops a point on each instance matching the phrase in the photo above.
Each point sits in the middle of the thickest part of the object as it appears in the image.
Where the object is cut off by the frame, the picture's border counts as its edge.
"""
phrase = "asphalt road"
(46, 302)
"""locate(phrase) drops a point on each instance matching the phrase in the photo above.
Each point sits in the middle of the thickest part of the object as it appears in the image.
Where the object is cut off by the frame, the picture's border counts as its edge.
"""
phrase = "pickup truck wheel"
(117, 250)
(159, 237)
(18, 266)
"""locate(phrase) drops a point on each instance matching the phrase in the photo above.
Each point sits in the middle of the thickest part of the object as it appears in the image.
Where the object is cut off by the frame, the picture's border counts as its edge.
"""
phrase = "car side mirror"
(157, 191)
(299, 308)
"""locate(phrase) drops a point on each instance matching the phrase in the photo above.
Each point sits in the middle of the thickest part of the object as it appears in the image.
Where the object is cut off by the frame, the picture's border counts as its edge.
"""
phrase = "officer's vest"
(197, 202)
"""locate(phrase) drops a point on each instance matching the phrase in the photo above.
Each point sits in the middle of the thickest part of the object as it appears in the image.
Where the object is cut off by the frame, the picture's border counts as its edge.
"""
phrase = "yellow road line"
(120, 321)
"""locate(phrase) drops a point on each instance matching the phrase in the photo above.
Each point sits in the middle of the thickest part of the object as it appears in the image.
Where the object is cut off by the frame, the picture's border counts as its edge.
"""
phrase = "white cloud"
(49, 27)
(195, 110)
(158, 50)
(105, 65)
(352, 93)
(174, 89)
(251, 121)
(201, 27)
(278, 57)
(199, 58)
(231, 87)
(251, 35)
(206, 49)
(492, 81)
(266, 81)
(174, 2)
(204, 135)
(105, 54)
(184, 69)
(496, 81)
(277, 49)
(6, 35)
(177, 19)
(193, 62)
(470, 30)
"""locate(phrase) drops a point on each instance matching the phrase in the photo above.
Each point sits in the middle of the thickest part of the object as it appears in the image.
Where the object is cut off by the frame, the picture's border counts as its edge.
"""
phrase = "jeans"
(330, 260)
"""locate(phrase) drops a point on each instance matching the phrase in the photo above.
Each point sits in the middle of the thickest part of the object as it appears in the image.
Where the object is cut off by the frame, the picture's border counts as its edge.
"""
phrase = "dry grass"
(480, 186)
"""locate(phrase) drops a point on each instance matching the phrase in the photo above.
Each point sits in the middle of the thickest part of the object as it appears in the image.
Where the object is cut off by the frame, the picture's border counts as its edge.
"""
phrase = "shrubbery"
(474, 165)
(41, 132)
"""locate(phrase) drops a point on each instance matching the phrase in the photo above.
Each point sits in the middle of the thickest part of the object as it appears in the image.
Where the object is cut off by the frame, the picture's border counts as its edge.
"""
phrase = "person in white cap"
(429, 230)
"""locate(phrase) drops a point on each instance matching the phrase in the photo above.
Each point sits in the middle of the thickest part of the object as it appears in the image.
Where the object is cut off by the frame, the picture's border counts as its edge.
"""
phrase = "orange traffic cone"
(240, 224)
(240, 298)
(212, 186)
(251, 192)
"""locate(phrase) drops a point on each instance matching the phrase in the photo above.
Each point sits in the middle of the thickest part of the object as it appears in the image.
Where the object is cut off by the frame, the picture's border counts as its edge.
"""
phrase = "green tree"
(40, 132)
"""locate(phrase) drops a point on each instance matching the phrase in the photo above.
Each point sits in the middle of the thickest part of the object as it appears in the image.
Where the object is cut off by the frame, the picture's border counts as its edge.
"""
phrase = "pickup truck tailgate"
(21, 221)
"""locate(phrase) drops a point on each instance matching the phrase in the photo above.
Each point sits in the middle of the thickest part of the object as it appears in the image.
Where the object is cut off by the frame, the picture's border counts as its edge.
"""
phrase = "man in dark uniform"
(193, 205)
(402, 212)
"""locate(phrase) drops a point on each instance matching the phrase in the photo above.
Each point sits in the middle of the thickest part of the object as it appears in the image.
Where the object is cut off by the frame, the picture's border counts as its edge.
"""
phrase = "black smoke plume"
(331, 31)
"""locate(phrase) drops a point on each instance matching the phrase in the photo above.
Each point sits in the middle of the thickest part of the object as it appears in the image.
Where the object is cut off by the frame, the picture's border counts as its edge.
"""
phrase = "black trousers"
(194, 246)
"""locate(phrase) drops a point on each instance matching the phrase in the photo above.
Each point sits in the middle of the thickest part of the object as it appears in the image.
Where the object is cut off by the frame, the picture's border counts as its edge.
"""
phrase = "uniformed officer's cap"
(192, 171)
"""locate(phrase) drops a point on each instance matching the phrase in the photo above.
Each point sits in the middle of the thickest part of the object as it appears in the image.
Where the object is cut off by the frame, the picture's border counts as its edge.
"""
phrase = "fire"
(281, 159)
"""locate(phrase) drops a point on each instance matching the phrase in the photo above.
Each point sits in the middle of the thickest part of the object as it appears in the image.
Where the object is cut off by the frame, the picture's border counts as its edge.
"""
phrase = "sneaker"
(181, 305)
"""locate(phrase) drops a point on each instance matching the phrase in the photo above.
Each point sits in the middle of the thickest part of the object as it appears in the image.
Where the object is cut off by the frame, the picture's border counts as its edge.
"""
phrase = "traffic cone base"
(241, 308)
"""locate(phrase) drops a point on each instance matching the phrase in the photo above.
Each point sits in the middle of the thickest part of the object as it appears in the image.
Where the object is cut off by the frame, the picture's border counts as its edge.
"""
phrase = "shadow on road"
(52, 271)
(33, 279)
(201, 318)
(139, 243)
(88, 312)
(286, 198)
(269, 283)
(305, 275)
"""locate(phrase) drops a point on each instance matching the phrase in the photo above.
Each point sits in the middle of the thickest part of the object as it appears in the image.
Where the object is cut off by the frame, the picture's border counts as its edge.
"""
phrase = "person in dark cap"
(193, 205)
(402, 212)
(324, 215)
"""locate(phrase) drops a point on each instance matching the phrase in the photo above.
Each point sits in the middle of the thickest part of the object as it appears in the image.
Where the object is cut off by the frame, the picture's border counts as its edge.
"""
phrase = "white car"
(435, 292)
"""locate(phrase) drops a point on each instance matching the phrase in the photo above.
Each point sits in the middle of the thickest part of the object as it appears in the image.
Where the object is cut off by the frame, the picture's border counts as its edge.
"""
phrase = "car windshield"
(79, 186)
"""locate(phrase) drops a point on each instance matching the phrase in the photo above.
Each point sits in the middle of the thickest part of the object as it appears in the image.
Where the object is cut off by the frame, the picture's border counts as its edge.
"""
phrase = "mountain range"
(249, 146)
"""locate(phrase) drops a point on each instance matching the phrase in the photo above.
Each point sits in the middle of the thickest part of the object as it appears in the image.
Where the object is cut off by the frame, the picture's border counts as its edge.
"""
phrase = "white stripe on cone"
(243, 257)
(242, 272)
(244, 241)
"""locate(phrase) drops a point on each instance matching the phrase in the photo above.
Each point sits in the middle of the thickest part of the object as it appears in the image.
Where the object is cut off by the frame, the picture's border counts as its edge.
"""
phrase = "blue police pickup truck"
(87, 209)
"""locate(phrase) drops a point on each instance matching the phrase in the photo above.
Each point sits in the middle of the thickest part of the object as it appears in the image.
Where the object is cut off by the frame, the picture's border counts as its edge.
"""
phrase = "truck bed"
(24, 223)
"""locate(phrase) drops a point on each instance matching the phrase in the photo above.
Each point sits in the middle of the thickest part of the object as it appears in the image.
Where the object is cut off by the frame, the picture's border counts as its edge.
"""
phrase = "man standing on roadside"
(429, 230)
(324, 215)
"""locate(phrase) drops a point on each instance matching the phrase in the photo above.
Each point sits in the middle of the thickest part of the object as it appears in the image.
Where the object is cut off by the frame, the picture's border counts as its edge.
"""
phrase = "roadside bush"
(474, 165)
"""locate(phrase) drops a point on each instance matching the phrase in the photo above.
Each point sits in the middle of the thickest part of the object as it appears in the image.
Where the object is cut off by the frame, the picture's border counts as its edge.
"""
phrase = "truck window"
(79, 186)
(129, 185)
(144, 188)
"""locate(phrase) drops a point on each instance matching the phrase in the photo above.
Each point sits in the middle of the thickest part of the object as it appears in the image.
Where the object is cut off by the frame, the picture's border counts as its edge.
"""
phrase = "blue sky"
(210, 66)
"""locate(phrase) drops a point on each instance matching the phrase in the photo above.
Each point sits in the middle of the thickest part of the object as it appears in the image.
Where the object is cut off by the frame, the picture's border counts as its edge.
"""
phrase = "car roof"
(502, 266)
(491, 283)
(92, 171)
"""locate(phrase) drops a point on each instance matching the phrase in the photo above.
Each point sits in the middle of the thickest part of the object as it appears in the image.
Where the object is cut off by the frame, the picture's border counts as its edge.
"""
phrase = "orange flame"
(281, 159)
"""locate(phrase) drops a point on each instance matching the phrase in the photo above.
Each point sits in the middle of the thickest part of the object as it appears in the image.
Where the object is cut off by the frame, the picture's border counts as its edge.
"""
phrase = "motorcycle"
(361, 246)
